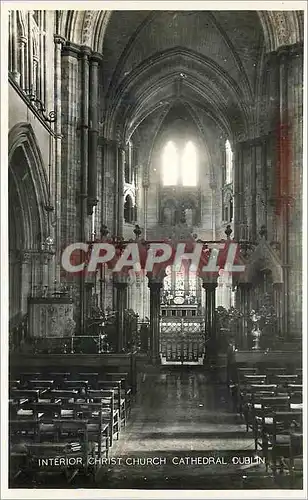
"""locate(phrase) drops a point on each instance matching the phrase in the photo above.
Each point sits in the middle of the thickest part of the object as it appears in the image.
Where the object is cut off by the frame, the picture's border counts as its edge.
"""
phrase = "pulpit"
(50, 317)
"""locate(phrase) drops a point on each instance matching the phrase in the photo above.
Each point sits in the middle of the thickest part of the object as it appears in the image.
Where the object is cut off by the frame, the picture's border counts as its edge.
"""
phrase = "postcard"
(153, 243)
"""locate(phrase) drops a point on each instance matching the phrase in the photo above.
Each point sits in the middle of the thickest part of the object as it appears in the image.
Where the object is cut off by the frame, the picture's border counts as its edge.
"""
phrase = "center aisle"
(181, 434)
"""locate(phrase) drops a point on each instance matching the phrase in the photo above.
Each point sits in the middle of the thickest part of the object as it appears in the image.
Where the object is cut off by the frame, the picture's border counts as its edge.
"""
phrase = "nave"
(181, 414)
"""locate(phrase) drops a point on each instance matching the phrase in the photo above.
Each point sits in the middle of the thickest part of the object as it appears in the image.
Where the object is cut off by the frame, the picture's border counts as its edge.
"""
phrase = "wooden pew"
(98, 423)
(106, 398)
(278, 435)
(119, 401)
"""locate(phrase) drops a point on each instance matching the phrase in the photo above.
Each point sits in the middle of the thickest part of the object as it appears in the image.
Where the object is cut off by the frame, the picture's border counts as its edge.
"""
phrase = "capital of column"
(59, 40)
(155, 283)
(96, 58)
(85, 51)
(209, 286)
(22, 40)
(121, 282)
(283, 54)
(25, 256)
(244, 285)
(71, 50)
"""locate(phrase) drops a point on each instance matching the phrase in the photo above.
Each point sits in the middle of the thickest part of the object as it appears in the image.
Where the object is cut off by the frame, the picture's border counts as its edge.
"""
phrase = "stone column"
(121, 304)
(22, 62)
(253, 229)
(213, 188)
(30, 52)
(295, 121)
(155, 285)
(115, 171)
(120, 190)
(14, 68)
(93, 133)
(35, 72)
(70, 150)
(284, 183)
(84, 126)
(58, 41)
(244, 290)
(278, 292)
(26, 279)
(210, 315)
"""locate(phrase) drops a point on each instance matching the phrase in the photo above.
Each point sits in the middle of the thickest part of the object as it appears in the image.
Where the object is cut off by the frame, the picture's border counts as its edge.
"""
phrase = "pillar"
(26, 280)
(30, 52)
(120, 190)
(210, 316)
(22, 62)
(278, 292)
(244, 290)
(58, 43)
(84, 126)
(14, 61)
(121, 303)
(284, 190)
(155, 286)
(296, 182)
(93, 133)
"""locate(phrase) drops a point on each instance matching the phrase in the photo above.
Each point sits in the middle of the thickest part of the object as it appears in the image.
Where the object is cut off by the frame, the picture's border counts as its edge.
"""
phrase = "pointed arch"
(28, 176)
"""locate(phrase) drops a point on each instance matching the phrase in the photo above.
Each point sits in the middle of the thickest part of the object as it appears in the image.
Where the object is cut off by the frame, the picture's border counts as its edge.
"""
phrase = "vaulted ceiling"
(208, 60)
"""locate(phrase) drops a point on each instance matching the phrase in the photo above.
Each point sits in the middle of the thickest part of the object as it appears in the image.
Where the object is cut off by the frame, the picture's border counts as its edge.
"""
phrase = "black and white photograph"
(153, 244)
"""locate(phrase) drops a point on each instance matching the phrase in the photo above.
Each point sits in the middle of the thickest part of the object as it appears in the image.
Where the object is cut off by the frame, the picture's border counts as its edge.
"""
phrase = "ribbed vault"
(218, 52)
(177, 74)
(88, 27)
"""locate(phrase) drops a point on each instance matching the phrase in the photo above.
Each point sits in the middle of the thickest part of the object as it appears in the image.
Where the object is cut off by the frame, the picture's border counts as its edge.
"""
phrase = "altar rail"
(79, 344)
(185, 351)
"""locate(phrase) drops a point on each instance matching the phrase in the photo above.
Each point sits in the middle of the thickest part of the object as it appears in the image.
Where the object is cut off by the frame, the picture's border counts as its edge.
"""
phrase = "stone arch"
(281, 28)
(22, 142)
(85, 27)
(28, 221)
(89, 27)
(128, 208)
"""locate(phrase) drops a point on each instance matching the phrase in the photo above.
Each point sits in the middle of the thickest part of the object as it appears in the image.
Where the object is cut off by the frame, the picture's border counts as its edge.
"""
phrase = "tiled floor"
(181, 434)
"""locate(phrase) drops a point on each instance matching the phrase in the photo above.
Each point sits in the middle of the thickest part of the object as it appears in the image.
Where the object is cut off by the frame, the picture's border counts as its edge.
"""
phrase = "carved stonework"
(87, 28)
(282, 28)
(51, 317)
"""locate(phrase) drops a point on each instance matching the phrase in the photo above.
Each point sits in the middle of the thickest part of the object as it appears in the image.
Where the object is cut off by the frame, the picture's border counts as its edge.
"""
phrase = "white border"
(132, 494)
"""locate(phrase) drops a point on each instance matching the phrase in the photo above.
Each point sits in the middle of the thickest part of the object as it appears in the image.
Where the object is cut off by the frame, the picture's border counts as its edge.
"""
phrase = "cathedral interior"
(140, 126)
